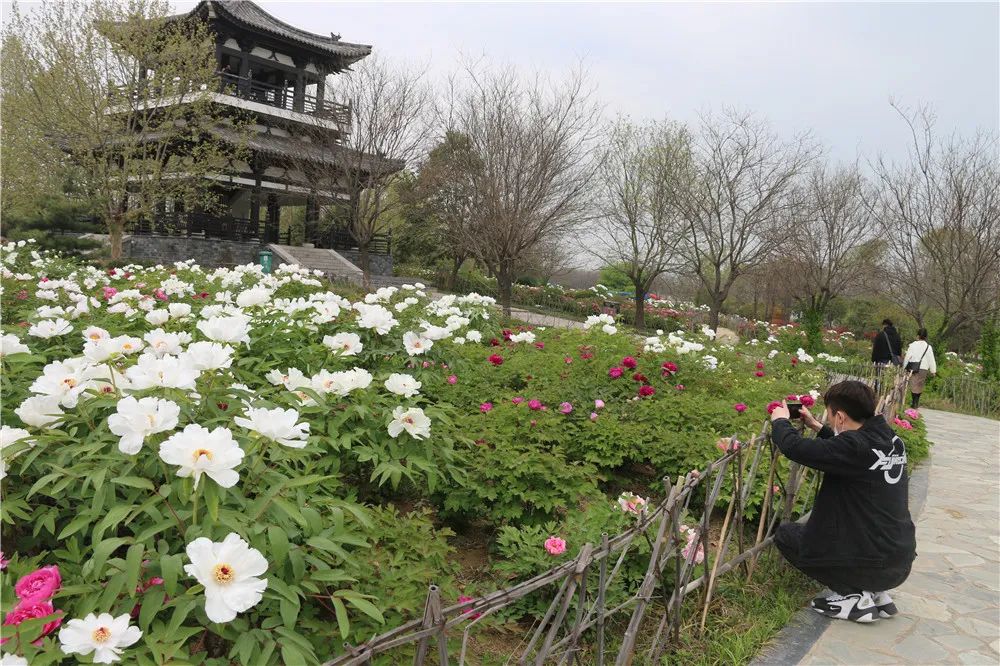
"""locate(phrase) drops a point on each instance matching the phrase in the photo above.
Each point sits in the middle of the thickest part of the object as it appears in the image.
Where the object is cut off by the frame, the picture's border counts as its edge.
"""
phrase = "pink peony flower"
(903, 423)
(464, 599)
(599, 404)
(496, 359)
(615, 372)
(452, 379)
(593, 416)
(160, 294)
(535, 404)
(32, 610)
(775, 489)
(740, 407)
(22, 295)
(540, 345)
(555, 545)
(629, 362)
(807, 400)
(517, 400)
(565, 407)
(669, 367)
(568, 360)
(109, 292)
(646, 391)
(759, 373)
(427, 364)
(726, 445)
(773, 405)
(486, 407)
(3, 561)
(39, 585)
(912, 414)
(760, 365)
(679, 387)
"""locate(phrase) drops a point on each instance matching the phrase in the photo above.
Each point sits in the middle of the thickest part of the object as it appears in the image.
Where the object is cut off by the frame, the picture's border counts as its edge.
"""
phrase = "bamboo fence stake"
(602, 586)
(715, 567)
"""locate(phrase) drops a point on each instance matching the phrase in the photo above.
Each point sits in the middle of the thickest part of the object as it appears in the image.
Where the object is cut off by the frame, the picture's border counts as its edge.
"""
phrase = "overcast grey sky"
(830, 66)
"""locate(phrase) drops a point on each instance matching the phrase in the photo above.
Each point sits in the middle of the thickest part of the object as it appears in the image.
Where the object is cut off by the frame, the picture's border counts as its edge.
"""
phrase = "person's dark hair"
(922, 333)
(856, 399)
(887, 322)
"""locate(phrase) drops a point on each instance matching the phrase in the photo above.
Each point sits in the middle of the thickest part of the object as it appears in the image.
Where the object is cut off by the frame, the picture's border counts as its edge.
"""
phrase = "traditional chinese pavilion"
(278, 74)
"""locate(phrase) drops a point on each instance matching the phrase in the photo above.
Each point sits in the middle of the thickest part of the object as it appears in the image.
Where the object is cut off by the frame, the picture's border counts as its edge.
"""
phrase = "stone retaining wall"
(210, 252)
(379, 264)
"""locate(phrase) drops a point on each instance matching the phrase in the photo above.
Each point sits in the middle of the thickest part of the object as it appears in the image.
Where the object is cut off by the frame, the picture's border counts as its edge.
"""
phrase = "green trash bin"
(265, 257)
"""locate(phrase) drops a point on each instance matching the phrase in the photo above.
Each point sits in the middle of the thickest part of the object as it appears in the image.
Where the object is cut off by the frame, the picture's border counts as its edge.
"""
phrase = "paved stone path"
(949, 608)
(539, 319)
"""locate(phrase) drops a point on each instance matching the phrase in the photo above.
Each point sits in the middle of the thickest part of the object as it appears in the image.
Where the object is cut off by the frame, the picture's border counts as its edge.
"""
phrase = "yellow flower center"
(127, 345)
(70, 382)
(101, 635)
(224, 574)
(152, 419)
(198, 453)
(95, 336)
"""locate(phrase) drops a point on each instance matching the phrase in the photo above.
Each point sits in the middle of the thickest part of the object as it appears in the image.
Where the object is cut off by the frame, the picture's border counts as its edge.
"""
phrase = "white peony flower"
(411, 420)
(252, 297)
(179, 310)
(8, 436)
(525, 336)
(166, 372)
(291, 379)
(209, 355)
(416, 344)
(95, 333)
(235, 328)
(40, 411)
(347, 344)
(135, 419)
(228, 570)
(12, 660)
(474, 336)
(375, 317)
(278, 425)
(65, 379)
(196, 451)
(610, 329)
(50, 328)
(104, 635)
(162, 343)
(11, 344)
(157, 317)
(341, 383)
(401, 384)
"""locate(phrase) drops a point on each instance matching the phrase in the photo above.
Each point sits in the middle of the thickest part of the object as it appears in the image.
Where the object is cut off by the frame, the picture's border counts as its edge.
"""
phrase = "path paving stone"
(950, 606)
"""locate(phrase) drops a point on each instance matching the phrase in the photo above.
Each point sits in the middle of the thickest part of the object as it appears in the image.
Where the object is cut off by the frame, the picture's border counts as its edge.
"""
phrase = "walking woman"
(920, 361)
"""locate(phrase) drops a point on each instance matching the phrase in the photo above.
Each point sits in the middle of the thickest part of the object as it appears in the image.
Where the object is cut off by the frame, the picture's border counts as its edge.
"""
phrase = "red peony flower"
(771, 406)
(795, 360)
(639, 377)
(615, 372)
(759, 373)
(646, 391)
(807, 400)
(760, 365)
(669, 367)
(39, 585)
(629, 362)
(494, 342)
(506, 334)
(586, 355)
(496, 359)
(540, 345)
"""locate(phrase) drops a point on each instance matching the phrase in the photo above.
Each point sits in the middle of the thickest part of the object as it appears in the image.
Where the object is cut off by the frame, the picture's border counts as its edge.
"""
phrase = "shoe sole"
(863, 619)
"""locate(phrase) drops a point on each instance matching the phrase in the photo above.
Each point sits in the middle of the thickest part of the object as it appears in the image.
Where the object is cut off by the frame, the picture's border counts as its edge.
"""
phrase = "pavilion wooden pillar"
(272, 226)
(320, 92)
(299, 101)
(312, 219)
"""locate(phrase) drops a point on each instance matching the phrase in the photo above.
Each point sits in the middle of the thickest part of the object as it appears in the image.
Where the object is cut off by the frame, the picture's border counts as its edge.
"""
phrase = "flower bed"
(231, 467)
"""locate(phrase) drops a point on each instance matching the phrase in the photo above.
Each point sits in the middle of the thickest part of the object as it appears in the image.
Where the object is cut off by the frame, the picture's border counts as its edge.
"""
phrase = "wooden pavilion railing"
(284, 98)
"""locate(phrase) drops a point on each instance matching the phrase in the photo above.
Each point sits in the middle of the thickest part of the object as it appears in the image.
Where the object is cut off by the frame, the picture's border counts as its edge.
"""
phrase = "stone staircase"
(334, 266)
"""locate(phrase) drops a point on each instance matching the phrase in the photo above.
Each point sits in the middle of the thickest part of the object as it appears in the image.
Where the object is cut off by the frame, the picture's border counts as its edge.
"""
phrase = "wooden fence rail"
(669, 580)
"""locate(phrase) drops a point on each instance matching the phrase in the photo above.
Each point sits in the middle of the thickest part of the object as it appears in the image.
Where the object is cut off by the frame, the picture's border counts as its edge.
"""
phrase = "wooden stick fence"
(669, 578)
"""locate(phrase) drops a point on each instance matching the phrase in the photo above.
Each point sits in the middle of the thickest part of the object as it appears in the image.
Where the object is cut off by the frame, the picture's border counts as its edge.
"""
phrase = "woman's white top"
(916, 350)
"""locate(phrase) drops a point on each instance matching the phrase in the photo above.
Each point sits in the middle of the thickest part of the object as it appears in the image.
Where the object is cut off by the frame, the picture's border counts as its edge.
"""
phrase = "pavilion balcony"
(284, 98)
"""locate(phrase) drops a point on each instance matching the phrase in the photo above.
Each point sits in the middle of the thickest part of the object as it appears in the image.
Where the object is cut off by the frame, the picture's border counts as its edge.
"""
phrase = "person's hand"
(809, 419)
(780, 412)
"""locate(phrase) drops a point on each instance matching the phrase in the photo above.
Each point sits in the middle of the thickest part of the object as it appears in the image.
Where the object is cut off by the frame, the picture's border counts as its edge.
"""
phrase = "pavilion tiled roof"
(251, 15)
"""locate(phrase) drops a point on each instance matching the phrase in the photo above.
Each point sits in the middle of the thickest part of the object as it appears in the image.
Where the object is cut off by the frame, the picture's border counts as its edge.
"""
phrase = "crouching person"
(859, 540)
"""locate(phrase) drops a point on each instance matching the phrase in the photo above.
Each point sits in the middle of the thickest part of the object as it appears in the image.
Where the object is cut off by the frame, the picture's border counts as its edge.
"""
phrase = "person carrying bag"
(919, 362)
(887, 346)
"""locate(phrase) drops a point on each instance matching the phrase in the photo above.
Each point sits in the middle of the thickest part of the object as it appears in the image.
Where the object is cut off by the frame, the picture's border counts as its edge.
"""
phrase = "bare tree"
(832, 239)
(940, 212)
(639, 227)
(741, 186)
(390, 106)
(111, 98)
(533, 146)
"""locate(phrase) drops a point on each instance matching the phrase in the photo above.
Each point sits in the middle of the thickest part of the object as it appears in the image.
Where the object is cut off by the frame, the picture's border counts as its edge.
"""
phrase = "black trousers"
(842, 580)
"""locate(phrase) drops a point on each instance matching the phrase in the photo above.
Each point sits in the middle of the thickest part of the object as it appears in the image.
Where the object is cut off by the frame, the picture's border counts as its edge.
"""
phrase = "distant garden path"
(949, 606)
(539, 319)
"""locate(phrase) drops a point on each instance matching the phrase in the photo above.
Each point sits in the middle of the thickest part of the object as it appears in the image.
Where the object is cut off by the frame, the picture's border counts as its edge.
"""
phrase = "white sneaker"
(854, 607)
(884, 604)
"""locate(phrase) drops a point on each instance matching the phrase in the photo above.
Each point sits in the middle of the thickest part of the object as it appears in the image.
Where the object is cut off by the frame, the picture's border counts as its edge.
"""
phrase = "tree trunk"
(505, 280)
(116, 230)
(364, 263)
(640, 306)
(713, 314)
(456, 265)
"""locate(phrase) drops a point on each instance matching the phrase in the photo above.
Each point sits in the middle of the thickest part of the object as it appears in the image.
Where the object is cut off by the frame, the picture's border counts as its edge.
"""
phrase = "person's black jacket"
(882, 350)
(861, 517)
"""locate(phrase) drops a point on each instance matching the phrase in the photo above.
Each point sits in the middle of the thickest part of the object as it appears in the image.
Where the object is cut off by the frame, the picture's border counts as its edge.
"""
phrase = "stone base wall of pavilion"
(206, 252)
(379, 264)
